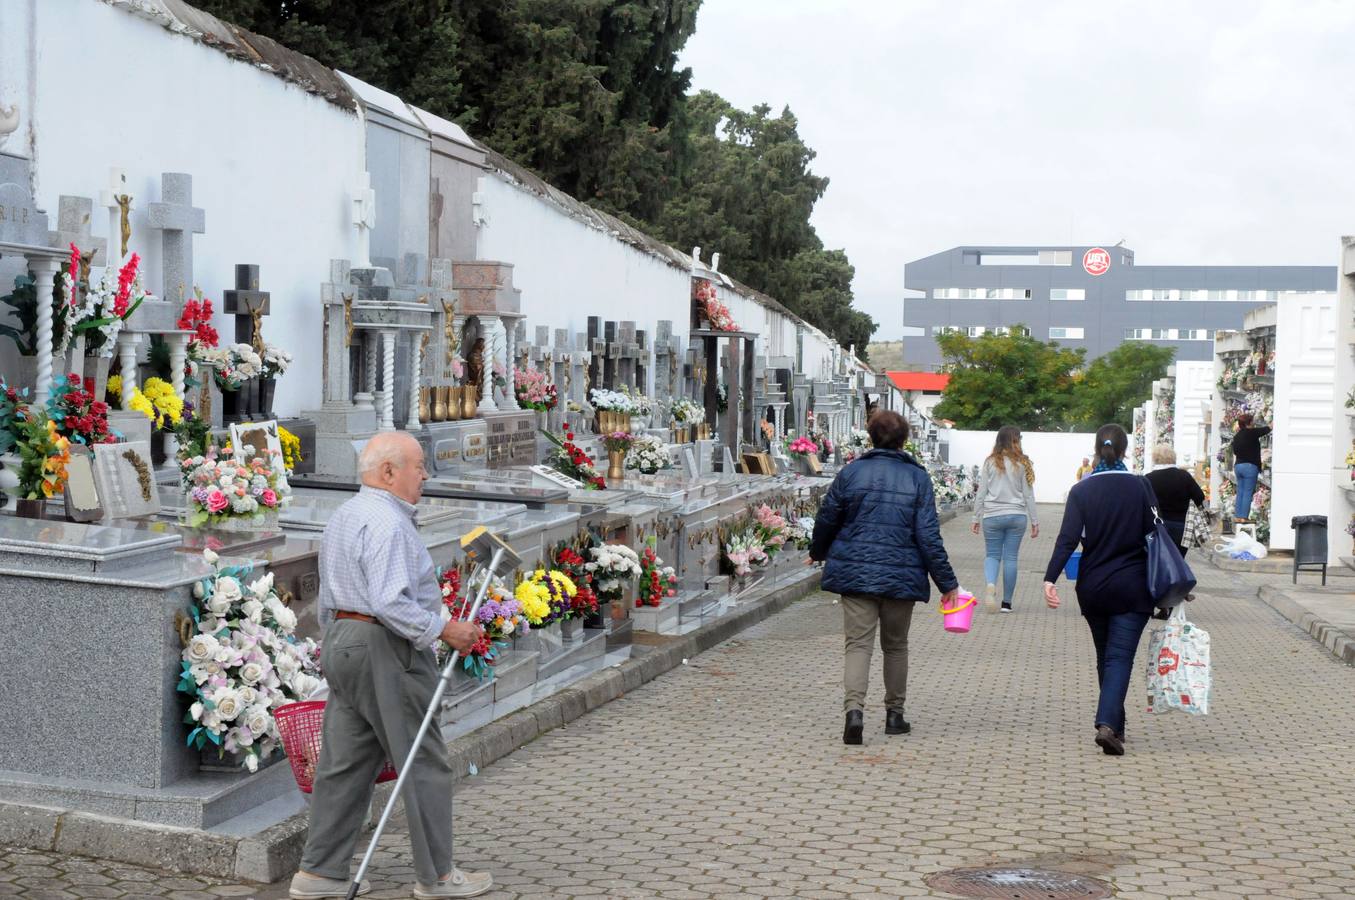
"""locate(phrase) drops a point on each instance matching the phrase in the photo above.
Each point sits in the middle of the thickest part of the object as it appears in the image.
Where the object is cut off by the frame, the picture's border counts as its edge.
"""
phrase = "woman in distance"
(1003, 505)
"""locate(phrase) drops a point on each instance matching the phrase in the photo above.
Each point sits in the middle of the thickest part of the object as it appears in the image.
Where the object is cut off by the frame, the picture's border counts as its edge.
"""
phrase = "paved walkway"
(728, 777)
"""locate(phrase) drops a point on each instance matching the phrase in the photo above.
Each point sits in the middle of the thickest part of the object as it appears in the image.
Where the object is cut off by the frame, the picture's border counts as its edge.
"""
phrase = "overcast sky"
(1200, 132)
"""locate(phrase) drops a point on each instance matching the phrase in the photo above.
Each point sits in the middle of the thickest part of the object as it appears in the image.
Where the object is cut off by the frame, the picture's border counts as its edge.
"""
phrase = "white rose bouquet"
(613, 401)
(275, 361)
(612, 567)
(232, 366)
(686, 412)
(649, 454)
(242, 662)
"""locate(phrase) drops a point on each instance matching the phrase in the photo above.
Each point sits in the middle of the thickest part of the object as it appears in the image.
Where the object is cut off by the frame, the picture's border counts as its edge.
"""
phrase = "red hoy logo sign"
(1096, 261)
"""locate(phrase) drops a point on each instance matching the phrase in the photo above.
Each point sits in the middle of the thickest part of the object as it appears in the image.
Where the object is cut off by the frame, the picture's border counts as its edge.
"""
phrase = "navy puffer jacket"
(878, 530)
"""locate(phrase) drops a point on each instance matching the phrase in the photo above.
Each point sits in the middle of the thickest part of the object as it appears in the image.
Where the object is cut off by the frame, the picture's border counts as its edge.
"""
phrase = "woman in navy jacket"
(1109, 512)
(878, 531)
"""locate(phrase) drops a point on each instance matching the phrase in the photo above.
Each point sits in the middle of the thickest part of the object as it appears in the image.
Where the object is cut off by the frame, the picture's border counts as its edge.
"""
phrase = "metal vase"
(267, 388)
(425, 404)
(30, 509)
(616, 470)
(469, 402)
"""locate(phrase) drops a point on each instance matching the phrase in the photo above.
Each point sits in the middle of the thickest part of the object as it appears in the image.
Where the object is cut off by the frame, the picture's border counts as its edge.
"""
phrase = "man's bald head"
(393, 461)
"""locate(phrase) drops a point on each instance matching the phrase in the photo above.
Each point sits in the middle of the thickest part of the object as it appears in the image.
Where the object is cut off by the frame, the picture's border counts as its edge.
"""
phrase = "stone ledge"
(1338, 640)
(275, 853)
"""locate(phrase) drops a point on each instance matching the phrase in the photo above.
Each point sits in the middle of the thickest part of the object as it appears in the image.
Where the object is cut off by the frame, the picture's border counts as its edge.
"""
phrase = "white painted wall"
(1194, 393)
(1056, 455)
(1305, 362)
(1341, 500)
(270, 163)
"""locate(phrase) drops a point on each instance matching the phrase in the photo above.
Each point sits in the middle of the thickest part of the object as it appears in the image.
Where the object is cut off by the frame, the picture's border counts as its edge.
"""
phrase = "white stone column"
(365, 398)
(510, 339)
(127, 345)
(416, 367)
(779, 416)
(487, 327)
(387, 380)
(44, 272)
(178, 358)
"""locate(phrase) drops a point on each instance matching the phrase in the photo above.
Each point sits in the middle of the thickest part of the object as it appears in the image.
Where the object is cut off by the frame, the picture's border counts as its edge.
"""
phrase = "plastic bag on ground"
(1178, 667)
(1241, 543)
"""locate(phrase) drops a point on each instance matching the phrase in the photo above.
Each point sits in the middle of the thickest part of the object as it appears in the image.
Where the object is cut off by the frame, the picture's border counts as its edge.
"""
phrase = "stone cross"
(664, 362)
(337, 336)
(642, 361)
(248, 304)
(118, 201)
(595, 346)
(626, 354)
(178, 219)
(73, 220)
(611, 356)
(364, 219)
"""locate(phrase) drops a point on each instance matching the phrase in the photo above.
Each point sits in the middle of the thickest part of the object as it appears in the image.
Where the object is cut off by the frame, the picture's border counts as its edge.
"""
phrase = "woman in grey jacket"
(1003, 505)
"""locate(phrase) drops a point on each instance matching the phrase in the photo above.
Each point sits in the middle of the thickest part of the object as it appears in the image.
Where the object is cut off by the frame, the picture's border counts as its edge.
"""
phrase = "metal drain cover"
(1018, 884)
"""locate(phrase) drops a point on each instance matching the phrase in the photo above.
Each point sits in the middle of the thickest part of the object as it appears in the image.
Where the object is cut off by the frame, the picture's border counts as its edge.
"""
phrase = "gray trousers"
(379, 690)
(860, 617)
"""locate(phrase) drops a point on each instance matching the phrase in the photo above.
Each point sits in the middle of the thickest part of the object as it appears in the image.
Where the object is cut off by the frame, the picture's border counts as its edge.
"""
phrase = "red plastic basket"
(300, 726)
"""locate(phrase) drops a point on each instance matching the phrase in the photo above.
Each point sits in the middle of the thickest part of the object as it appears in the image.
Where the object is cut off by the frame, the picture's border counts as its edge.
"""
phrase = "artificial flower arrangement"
(612, 567)
(232, 366)
(194, 435)
(567, 459)
(648, 454)
(744, 550)
(157, 401)
(771, 529)
(197, 318)
(534, 391)
(801, 532)
(802, 446)
(242, 663)
(43, 451)
(613, 401)
(657, 581)
(546, 596)
(107, 306)
(291, 448)
(274, 361)
(572, 564)
(686, 412)
(79, 417)
(951, 485)
(768, 430)
(858, 443)
(618, 441)
(221, 489)
(499, 617)
(1350, 526)
(712, 308)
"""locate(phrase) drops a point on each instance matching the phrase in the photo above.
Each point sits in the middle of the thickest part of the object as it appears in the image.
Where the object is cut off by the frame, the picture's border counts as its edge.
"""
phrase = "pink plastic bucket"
(959, 617)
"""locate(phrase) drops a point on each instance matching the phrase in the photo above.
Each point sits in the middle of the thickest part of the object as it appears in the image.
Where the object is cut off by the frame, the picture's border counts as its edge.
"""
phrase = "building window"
(1056, 257)
(975, 330)
(1169, 334)
(1137, 334)
(944, 329)
(1067, 294)
(1067, 334)
(1007, 329)
(957, 293)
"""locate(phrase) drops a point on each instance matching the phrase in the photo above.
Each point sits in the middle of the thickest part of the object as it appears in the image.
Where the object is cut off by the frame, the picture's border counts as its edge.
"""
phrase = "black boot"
(895, 723)
(851, 732)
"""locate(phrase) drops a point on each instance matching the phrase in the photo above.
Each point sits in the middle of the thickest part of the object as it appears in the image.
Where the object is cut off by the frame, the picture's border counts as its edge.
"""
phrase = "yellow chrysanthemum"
(140, 403)
(291, 448)
(113, 393)
(167, 404)
(535, 601)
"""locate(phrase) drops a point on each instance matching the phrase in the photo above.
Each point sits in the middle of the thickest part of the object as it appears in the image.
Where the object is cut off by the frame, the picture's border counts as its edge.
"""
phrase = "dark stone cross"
(248, 304)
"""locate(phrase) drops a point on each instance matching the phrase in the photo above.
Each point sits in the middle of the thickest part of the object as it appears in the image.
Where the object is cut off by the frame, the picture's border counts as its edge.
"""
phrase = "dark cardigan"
(1108, 513)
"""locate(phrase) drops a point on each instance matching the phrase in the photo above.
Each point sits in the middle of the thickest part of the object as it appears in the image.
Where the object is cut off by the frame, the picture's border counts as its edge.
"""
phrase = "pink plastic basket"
(300, 726)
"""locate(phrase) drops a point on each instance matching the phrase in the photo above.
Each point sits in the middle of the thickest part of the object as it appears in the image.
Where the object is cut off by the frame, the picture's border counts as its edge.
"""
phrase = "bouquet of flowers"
(771, 529)
(220, 489)
(744, 550)
(242, 662)
(158, 402)
(802, 446)
(612, 566)
(618, 441)
(197, 318)
(686, 412)
(568, 459)
(291, 448)
(572, 564)
(657, 581)
(534, 390)
(613, 401)
(275, 361)
(232, 366)
(641, 405)
(858, 442)
(547, 596)
(78, 416)
(44, 454)
(649, 454)
(108, 304)
(499, 616)
(950, 485)
(711, 307)
(800, 533)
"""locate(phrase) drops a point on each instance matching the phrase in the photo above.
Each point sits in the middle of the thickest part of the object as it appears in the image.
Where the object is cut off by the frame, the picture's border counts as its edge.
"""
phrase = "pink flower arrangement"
(216, 501)
(802, 446)
(771, 528)
(74, 264)
(227, 488)
(708, 300)
(533, 390)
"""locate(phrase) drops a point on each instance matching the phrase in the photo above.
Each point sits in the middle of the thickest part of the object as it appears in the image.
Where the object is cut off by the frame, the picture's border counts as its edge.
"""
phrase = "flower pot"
(638, 424)
(30, 509)
(616, 470)
(470, 401)
(438, 403)
(594, 619)
(570, 628)
(425, 404)
(232, 406)
(267, 388)
(212, 759)
(235, 524)
(159, 453)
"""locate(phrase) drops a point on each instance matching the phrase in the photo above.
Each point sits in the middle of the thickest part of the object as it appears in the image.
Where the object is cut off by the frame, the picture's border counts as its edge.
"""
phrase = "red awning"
(919, 381)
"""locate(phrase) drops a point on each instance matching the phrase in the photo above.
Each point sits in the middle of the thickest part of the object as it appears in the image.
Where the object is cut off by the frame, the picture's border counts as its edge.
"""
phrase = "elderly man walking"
(380, 603)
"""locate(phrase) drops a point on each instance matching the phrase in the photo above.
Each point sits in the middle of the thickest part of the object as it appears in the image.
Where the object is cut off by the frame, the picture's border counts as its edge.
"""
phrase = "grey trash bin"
(1310, 544)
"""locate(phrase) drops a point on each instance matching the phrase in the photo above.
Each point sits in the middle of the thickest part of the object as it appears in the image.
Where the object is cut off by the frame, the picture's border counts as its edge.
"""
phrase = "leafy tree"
(1114, 384)
(1010, 379)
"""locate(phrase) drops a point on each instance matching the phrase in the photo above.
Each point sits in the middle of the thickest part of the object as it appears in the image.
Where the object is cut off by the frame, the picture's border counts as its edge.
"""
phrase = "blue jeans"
(1002, 535)
(1117, 639)
(1246, 473)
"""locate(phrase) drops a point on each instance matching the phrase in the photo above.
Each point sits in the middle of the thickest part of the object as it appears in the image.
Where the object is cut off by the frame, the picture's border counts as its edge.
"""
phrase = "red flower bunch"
(77, 415)
(126, 275)
(656, 580)
(449, 582)
(197, 318)
(570, 460)
(74, 265)
(572, 563)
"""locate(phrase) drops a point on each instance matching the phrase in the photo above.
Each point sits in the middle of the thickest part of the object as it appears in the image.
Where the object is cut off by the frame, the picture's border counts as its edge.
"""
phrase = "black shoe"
(1109, 742)
(895, 723)
(851, 732)
(1006, 607)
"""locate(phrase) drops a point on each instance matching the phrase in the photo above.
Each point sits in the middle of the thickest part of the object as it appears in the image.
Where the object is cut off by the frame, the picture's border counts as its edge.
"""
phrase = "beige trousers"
(860, 616)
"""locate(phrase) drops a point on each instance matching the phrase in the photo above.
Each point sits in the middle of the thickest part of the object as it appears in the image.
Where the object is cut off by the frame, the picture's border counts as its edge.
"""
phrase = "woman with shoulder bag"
(1108, 512)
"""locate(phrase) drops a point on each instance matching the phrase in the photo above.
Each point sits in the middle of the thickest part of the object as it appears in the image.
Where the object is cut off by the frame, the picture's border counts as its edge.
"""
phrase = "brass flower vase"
(425, 405)
(469, 402)
(439, 395)
(616, 465)
(453, 401)
(30, 509)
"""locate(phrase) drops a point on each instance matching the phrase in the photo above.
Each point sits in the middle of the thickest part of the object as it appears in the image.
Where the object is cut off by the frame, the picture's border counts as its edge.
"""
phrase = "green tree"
(1010, 379)
(1114, 384)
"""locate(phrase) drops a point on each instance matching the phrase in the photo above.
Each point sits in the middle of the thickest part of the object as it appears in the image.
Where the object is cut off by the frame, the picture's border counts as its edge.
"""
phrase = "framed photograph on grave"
(124, 480)
(758, 464)
(815, 464)
(81, 493)
(262, 436)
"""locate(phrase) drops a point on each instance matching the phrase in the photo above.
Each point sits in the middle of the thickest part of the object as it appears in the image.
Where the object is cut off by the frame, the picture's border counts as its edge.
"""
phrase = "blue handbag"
(1169, 578)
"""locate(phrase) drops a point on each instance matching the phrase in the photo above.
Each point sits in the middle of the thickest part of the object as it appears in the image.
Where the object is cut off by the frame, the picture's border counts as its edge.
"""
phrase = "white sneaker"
(458, 884)
(990, 598)
(306, 886)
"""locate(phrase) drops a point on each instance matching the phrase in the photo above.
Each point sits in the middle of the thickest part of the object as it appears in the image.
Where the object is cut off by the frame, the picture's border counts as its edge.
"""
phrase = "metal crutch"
(478, 543)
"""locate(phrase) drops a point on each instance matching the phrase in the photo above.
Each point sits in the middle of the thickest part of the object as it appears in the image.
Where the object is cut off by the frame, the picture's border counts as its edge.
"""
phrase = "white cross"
(108, 197)
(364, 218)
